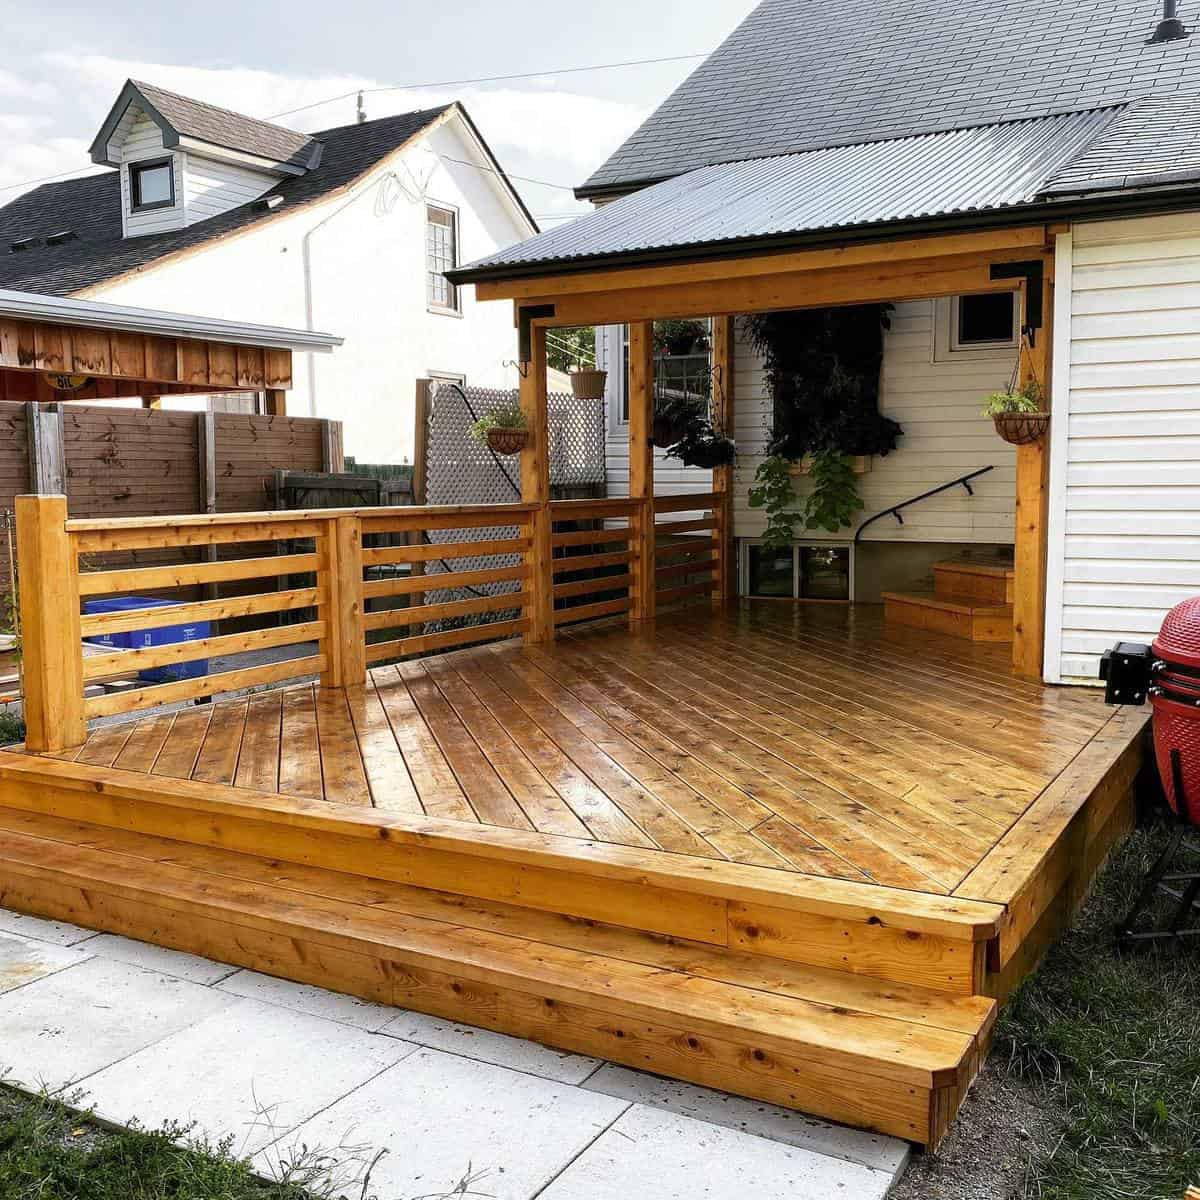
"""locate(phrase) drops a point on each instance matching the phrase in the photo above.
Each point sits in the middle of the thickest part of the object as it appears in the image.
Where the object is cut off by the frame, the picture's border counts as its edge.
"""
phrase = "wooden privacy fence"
(332, 590)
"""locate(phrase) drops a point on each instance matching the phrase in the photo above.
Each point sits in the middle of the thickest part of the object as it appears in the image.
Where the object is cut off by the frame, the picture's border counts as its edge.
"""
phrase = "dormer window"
(151, 184)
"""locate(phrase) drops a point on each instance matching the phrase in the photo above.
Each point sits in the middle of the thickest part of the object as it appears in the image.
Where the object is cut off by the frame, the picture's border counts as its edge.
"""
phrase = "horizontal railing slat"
(588, 562)
(670, 528)
(602, 583)
(208, 685)
(147, 658)
(395, 555)
(696, 503)
(408, 584)
(592, 537)
(135, 579)
(103, 541)
(442, 641)
(676, 570)
(130, 621)
(394, 618)
(589, 612)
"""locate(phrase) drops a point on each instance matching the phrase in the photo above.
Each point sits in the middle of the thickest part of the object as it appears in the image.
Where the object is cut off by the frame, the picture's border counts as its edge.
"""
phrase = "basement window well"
(798, 572)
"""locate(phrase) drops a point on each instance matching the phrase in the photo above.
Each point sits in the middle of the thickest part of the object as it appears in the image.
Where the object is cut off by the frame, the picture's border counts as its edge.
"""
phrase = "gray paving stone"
(752, 1116)
(303, 997)
(442, 1118)
(496, 1048)
(158, 958)
(62, 1028)
(61, 933)
(649, 1152)
(22, 960)
(250, 1072)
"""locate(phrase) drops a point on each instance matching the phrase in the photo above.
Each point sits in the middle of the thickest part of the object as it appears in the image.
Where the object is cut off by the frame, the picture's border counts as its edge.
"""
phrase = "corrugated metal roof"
(984, 169)
(1154, 141)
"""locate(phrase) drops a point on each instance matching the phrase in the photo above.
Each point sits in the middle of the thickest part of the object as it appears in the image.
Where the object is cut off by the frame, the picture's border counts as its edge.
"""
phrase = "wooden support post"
(724, 341)
(47, 451)
(341, 574)
(333, 460)
(1033, 497)
(641, 468)
(275, 402)
(535, 489)
(207, 466)
(51, 641)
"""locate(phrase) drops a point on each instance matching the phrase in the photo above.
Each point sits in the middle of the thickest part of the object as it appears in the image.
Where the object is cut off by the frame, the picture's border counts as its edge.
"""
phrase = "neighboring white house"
(217, 214)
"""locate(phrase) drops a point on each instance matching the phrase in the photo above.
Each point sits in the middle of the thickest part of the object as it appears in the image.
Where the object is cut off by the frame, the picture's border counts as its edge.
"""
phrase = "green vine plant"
(772, 492)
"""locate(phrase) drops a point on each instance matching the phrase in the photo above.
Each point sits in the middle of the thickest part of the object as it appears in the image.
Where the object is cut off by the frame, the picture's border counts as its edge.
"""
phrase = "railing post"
(724, 381)
(51, 641)
(341, 574)
(641, 468)
(535, 489)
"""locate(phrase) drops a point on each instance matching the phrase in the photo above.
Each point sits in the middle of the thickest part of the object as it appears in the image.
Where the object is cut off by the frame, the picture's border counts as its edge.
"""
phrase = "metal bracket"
(526, 315)
(970, 489)
(1032, 272)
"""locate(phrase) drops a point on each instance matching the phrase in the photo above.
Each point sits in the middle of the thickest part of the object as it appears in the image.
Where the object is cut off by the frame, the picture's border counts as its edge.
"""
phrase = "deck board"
(804, 739)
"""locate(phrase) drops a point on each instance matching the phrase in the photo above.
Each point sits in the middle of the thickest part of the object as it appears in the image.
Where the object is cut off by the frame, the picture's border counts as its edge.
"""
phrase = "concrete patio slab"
(159, 958)
(315, 1001)
(251, 1072)
(22, 960)
(496, 1048)
(445, 1118)
(61, 933)
(649, 1152)
(751, 1116)
(65, 1027)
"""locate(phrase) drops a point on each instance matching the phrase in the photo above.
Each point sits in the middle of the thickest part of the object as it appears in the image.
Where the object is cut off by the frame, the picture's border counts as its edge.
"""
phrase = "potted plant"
(504, 430)
(678, 337)
(673, 417)
(588, 383)
(703, 446)
(1017, 414)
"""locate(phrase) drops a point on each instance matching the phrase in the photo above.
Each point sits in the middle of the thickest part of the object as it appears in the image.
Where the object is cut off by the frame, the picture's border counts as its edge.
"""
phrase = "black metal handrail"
(895, 510)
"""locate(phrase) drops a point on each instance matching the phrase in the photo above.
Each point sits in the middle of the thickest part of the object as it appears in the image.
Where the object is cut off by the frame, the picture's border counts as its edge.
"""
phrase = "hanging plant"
(504, 430)
(703, 446)
(1017, 413)
(822, 369)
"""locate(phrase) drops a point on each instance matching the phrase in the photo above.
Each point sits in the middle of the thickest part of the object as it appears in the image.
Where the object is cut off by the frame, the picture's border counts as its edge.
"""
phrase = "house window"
(441, 255)
(151, 185)
(986, 321)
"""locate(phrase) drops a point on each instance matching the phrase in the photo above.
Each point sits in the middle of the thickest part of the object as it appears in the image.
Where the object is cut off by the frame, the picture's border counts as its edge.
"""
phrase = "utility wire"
(406, 87)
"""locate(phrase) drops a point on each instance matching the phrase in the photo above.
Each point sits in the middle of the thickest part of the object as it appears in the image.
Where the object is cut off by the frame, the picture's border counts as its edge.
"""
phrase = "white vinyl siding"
(212, 187)
(938, 404)
(1125, 462)
(671, 477)
(138, 139)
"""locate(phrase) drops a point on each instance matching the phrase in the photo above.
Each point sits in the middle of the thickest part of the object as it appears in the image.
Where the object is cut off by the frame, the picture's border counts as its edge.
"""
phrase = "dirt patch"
(1002, 1127)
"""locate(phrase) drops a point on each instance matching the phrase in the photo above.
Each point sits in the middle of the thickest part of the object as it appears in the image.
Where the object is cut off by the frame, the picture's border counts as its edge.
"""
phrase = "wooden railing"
(332, 591)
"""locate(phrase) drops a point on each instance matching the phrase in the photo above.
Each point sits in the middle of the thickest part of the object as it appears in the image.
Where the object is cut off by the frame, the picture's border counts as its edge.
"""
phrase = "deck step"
(953, 615)
(896, 1059)
(983, 580)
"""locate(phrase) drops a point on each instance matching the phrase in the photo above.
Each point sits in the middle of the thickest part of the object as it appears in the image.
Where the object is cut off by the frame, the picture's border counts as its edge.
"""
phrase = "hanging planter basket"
(588, 384)
(1021, 429)
(507, 441)
(665, 432)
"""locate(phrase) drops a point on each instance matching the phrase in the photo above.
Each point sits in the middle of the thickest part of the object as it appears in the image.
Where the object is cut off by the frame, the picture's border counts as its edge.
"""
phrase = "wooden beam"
(535, 489)
(641, 468)
(47, 461)
(1032, 508)
(724, 383)
(52, 646)
(754, 265)
(915, 280)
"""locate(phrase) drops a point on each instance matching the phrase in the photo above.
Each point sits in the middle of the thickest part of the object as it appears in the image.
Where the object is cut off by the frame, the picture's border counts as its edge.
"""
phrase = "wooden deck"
(780, 850)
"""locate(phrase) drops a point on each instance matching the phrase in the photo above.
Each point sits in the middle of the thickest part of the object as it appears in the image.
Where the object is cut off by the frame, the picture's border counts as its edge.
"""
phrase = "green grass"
(1113, 1039)
(50, 1152)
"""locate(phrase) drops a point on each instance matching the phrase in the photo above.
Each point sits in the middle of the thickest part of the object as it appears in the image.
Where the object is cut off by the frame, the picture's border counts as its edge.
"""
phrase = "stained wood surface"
(806, 740)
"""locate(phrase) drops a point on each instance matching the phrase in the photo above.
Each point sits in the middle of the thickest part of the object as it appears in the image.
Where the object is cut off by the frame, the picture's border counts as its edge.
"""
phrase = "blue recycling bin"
(164, 635)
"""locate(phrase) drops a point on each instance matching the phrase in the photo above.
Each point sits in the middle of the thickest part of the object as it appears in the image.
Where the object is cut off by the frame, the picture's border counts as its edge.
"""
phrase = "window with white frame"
(441, 255)
(988, 321)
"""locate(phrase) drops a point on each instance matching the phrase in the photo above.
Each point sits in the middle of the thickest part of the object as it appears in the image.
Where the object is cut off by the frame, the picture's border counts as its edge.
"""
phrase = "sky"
(64, 63)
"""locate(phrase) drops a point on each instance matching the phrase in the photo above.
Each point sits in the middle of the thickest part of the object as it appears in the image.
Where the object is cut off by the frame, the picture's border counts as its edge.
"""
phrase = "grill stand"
(1161, 880)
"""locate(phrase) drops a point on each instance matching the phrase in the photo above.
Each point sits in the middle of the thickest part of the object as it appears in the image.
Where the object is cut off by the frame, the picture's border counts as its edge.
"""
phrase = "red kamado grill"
(1167, 674)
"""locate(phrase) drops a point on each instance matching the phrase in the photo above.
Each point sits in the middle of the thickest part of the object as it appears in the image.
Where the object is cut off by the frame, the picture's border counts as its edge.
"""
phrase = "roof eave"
(1109, 204)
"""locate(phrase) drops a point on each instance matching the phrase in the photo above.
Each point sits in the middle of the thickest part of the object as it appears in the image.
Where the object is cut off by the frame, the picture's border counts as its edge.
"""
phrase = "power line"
(441, 83)
(8, 187)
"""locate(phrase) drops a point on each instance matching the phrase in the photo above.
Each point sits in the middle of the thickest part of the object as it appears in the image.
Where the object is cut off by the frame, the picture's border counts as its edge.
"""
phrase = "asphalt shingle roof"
(990, 168)
(803, 74)
(91, 207)
(221, 127)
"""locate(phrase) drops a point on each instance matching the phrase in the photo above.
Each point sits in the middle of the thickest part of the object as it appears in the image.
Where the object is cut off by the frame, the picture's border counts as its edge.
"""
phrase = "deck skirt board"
(786, 851)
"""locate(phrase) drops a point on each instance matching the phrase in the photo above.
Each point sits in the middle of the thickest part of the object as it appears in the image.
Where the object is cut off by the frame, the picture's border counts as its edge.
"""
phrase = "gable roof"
(181, 117)
(91, 207)
(994, 172)
(799, 75)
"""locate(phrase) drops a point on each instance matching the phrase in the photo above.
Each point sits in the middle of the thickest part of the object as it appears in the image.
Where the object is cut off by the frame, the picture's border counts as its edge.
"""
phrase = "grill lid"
(1178, 640)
